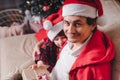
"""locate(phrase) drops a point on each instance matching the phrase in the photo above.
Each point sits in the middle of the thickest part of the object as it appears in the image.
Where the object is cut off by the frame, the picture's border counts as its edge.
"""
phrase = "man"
(88, 52)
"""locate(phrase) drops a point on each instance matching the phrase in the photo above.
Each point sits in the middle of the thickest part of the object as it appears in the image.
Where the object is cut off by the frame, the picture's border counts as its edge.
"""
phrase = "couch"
(16, 52)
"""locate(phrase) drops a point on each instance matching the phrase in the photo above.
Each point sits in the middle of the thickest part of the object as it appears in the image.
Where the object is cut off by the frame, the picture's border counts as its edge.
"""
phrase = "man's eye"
(66, 23)
(77, 24)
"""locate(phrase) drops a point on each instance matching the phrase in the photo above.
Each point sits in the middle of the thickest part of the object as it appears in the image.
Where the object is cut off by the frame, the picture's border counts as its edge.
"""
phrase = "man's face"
(76, 28)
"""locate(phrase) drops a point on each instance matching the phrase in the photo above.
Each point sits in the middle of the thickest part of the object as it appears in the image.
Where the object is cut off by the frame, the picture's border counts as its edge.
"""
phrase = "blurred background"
(27, 14)
(7, 4)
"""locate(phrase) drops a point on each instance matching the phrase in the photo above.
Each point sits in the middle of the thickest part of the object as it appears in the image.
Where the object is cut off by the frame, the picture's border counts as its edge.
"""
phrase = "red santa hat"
(86, 8)
(54, 24)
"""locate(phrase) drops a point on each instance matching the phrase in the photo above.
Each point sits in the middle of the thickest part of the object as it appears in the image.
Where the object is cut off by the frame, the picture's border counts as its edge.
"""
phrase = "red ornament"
(43, 77)
(40, 77)
(46, 8)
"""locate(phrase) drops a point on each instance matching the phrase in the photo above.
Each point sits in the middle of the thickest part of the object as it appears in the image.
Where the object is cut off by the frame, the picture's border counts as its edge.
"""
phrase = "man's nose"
(71, 28)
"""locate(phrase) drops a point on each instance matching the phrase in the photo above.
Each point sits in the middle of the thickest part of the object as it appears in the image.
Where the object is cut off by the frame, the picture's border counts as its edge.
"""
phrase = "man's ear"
(94, 25)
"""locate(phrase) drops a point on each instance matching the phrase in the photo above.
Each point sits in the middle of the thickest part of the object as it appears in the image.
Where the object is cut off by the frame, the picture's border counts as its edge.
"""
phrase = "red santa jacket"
(93, 63)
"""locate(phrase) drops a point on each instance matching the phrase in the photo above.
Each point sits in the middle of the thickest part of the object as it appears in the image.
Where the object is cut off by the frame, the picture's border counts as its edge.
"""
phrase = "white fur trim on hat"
(47, 25)
(55, 30)
(80, 10)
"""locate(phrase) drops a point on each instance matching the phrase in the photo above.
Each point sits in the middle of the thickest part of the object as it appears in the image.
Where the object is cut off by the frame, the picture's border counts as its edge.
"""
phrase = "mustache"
(73, 34)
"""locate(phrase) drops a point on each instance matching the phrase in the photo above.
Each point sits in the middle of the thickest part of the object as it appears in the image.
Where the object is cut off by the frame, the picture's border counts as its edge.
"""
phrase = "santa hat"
(86, 8)
(54, 24)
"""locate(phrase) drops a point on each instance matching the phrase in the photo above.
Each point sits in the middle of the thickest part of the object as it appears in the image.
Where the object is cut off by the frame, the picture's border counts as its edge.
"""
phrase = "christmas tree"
(41, 7)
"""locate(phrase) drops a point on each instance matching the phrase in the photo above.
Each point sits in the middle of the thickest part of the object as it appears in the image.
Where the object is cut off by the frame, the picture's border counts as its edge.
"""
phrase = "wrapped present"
(40, 73)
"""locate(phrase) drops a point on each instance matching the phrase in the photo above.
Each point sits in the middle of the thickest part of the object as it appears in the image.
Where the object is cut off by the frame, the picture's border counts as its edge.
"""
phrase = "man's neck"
(75, 45)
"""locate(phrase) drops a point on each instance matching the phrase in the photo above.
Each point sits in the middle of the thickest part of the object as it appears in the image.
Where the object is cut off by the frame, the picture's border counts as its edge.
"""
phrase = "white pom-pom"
(101, 21)
(47, 25)
(27, 12)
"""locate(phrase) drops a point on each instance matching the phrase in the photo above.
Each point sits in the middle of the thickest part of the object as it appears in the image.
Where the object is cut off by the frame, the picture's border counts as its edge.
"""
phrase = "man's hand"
(36, 50)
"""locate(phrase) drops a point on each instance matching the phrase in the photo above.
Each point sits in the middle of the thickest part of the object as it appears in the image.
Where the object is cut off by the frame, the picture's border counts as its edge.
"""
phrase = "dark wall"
(7, 4)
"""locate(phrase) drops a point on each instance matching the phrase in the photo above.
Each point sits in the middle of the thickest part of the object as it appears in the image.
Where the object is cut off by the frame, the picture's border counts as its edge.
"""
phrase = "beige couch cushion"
(112, 12)
(16, 54)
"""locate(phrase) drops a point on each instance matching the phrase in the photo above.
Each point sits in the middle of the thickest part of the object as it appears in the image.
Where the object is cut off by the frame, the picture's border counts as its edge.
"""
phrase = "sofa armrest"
(16, 54)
